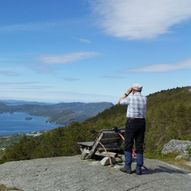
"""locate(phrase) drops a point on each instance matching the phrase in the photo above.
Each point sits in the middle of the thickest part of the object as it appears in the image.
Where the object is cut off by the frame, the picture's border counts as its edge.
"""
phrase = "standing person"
(135, 127)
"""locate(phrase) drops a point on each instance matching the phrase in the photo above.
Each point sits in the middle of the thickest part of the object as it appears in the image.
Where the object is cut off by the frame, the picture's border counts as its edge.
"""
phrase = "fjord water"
(14, 123)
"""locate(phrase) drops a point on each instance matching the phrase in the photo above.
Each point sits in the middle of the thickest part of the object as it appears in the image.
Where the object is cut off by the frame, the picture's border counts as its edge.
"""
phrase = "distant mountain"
(21, 102)
(61, 113)
(168, 117)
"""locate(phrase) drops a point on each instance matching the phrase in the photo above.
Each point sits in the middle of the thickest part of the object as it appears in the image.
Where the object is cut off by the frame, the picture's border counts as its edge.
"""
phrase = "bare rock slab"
(74, 174)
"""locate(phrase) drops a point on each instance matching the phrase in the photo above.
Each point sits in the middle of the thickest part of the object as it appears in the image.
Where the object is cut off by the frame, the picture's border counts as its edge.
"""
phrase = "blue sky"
(92, 50)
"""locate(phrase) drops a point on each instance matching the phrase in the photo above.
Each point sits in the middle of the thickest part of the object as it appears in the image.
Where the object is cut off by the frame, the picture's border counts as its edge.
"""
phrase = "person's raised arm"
(124, 96)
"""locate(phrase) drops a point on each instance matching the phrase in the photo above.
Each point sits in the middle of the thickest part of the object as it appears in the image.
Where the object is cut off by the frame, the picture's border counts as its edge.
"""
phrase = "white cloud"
(19, 83)
(67, 58)
(140, 19)
(28, 26)
(21, 86)
(8, 73)
(69, 79)
(35, 26)
(113, 77)
(163, 67)
(84, 40)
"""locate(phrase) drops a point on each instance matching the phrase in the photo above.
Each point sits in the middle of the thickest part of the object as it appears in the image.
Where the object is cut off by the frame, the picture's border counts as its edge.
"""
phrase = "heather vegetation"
(168, 117)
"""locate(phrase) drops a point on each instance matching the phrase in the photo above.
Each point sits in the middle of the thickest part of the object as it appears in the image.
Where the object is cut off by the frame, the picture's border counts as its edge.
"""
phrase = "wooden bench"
(108, 143)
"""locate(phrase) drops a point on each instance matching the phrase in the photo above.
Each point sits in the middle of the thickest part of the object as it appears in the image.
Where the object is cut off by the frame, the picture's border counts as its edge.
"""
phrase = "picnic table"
(107, 143)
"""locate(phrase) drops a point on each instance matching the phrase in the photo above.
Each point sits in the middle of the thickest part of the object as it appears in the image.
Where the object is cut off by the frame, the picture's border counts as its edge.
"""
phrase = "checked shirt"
(136, 105)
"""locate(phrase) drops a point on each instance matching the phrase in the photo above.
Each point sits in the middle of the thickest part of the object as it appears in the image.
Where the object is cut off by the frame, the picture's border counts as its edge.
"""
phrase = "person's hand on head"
(129, 90)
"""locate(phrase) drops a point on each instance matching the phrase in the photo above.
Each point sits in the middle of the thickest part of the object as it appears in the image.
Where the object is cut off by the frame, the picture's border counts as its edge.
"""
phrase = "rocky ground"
(73, 174)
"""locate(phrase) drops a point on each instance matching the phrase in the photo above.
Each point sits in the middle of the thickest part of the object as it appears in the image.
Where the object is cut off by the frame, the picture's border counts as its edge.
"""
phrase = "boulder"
(176, 146)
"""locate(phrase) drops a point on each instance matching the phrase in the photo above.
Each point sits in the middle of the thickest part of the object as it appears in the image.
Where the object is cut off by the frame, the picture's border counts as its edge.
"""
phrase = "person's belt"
(131, 118)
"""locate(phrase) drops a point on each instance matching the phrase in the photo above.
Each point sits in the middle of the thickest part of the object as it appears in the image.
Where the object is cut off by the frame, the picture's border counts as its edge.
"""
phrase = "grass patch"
(5, 188)
(181, 164)
(169, 158)
(157, 155)
(189, 150)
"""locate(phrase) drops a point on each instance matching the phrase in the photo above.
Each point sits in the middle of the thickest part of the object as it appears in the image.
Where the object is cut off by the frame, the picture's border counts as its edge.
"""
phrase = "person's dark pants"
(134, 132)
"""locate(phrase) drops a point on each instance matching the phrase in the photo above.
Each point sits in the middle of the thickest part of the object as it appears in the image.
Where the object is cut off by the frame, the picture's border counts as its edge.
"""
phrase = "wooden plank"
(111, 135)
(111, 138)
(111, 141)
(96, 143)
(109, 144)
(121, 130)
(117, 149)
(88, 143)
(104, 154)
(108, 138)
(111, 148)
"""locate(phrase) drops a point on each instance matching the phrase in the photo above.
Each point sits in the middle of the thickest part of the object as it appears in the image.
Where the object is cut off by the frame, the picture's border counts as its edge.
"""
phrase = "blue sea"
(15, 123)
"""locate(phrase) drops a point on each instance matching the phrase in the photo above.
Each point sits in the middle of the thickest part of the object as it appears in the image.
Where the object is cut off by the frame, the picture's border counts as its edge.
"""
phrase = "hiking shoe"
(138, 171)
(126, 170)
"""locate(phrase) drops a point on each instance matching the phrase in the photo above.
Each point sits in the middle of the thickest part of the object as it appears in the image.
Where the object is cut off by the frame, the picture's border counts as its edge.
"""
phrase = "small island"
(28, 118)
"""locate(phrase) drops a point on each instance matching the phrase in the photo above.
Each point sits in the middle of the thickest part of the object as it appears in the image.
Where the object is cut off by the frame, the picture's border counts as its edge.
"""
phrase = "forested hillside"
(168, 117)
